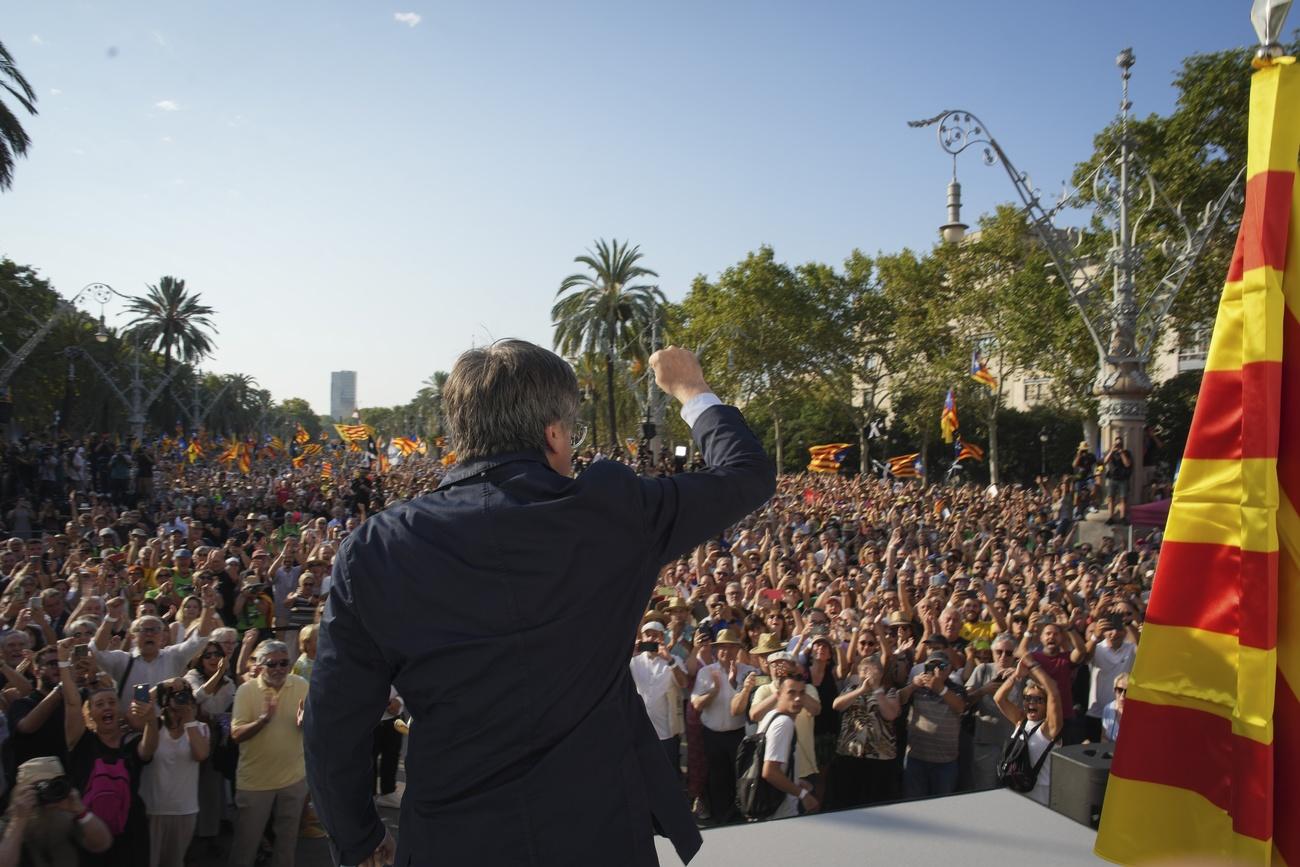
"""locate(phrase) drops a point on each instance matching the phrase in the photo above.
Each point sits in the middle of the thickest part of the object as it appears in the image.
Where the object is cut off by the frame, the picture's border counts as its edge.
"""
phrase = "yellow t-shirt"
(273, 758)
(805, 754)
(978, 631)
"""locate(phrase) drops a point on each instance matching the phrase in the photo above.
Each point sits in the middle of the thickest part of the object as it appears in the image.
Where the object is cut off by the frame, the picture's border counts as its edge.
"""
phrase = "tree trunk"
(776, 436)
(994, 475)
(609, 385)
(595, 417)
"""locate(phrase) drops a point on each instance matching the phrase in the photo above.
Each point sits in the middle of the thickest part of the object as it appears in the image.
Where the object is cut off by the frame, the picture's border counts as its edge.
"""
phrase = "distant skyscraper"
(343, 394)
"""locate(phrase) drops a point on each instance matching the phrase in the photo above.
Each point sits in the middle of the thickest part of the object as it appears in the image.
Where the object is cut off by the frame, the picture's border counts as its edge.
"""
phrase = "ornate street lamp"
(1125, 333)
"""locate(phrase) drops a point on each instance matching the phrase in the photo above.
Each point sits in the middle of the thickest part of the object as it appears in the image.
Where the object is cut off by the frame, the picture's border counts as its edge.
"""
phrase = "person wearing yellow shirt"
(271, 779)
(972, 628)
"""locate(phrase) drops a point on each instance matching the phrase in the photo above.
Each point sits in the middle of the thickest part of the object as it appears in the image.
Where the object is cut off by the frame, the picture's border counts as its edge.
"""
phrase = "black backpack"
(756, 798)
(1015, 770)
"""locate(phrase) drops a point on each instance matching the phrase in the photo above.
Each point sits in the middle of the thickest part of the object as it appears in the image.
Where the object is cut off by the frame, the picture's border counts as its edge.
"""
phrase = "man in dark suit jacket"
(504, 607)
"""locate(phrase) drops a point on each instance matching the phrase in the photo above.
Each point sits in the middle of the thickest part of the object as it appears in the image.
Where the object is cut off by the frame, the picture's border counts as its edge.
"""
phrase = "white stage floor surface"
(997, 829)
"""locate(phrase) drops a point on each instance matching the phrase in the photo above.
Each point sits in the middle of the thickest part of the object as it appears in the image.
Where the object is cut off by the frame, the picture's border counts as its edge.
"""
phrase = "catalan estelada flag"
(967, 450)
(979, 371)
(948, 418)
(405, 445)
(1208, 758)
(905, 466)
(310, 449)
(827, 458)
(301, 436)
(244, 457)
(355, 433)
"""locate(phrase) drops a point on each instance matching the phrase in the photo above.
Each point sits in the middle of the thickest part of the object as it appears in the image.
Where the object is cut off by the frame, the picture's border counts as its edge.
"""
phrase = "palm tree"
(172, 321)
(430, 398)
(598, 310)
(14, 140)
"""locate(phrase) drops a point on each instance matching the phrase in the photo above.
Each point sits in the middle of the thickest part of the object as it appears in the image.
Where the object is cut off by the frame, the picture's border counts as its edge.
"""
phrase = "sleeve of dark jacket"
(689, 508)
(349, 690)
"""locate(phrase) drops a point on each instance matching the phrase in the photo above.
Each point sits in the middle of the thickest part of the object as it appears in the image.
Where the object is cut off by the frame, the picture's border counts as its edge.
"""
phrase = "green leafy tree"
(598, 311)
(172, 320)
(14, 140)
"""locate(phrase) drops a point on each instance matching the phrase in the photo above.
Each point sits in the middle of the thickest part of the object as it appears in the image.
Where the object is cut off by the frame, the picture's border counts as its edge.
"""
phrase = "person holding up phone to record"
(660, 677)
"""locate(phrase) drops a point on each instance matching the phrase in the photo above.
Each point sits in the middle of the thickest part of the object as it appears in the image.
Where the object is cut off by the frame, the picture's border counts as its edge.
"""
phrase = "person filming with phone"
(465, 599)
(660, 677)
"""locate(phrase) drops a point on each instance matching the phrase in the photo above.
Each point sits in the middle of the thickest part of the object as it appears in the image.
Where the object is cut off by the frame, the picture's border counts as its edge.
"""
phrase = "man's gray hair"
(266, 648)
(500, 398)
(221, 633)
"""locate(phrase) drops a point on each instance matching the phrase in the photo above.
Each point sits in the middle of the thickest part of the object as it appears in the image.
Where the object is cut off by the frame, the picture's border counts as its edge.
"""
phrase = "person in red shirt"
(1061, 666)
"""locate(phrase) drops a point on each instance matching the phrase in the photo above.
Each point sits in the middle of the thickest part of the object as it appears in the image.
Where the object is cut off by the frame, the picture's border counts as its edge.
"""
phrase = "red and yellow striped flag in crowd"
(327, 470)
(827, 458)
(355, 432)
(194, 451)
(448, 459)
(244, 457)
(1208, 759)
(905, 466)
(405, 445)
(301, 436)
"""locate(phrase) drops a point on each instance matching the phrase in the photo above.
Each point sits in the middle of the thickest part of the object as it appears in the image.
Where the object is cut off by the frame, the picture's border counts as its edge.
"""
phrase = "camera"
(934, 665)
(52, 791)
(647, 647)
(81, 651)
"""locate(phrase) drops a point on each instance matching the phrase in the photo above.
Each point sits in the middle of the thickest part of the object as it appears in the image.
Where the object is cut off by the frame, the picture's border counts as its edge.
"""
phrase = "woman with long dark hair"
(214, 692)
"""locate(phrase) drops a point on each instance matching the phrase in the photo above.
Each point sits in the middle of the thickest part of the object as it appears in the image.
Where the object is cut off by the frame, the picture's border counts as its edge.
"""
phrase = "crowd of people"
(889, 639)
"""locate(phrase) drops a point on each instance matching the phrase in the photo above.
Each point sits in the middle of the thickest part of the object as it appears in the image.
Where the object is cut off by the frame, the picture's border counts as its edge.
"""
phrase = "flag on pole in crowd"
(905, 466)
(979, 370)
(1209, 757)
(301, 435)
(244, 456)
(448, 459)
(827, 458)
(229, 455)
(631, 446)
(298, 460)
(406, 445)
(326, 470)
(422, 445)
(311, 449)
(355, 433)
(967, 450)
(948, 418)
(324, 436)
(277, 445)
(381, 462)
(194, 451)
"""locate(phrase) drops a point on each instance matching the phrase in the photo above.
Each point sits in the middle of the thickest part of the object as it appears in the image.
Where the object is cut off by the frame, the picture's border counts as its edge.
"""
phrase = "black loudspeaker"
(1079, 775)
(648, 430)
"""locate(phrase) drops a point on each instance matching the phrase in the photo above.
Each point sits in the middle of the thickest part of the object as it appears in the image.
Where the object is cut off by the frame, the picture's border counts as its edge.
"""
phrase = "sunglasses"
(1004, 653)
(1119, 690)
(213, 654)
(282, 663)
(149, 630)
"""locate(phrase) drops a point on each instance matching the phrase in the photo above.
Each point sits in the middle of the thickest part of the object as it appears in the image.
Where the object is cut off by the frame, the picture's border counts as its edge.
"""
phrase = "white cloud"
(167, 105)
(37, 40)
(410, 19)
(54, 91)
(167, 139)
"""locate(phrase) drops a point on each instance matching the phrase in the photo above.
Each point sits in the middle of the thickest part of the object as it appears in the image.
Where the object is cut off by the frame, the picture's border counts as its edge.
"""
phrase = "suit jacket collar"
(478, 466)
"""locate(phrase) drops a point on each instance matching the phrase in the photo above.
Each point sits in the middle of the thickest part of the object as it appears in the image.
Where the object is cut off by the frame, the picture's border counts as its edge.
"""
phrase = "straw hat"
(727, 637)
(767, 643)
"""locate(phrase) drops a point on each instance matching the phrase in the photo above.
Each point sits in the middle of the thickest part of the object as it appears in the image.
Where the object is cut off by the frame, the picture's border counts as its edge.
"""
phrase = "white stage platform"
(997, 829)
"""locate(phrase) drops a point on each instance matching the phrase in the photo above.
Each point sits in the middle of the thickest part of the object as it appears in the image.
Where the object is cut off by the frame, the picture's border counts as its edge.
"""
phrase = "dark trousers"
(859, 782)
(720, 788)
(386, 750)
(672, 748)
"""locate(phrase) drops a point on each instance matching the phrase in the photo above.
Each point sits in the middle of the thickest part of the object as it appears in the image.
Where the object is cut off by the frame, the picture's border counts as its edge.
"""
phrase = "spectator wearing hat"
(721, 694)
(47, 823)
(679, 631)
(780, 664)
(935, 707)
(660, 677)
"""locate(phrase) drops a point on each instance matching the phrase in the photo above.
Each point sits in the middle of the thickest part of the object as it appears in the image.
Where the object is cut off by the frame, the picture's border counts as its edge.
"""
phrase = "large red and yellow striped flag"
(827, 458)
(1208, 760)
(354, 433)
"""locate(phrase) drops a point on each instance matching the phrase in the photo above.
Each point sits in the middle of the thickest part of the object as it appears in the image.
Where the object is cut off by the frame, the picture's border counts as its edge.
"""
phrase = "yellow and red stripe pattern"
(827, 458)
(1208, 758)
(905, 466)
(355, 433)
(948, 424)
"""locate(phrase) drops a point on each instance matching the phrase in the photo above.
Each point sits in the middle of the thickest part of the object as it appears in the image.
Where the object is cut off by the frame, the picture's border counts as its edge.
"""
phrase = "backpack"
(756, 798)
(1014, 770)
(108, 794)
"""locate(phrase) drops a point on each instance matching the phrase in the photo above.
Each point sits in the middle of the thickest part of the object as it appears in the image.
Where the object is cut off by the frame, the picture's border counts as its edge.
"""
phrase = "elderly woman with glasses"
(1038, 718)
(865, 767)
(991, 728)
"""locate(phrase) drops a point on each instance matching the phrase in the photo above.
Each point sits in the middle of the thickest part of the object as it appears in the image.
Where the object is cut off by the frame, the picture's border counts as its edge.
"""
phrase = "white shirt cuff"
(692, 408)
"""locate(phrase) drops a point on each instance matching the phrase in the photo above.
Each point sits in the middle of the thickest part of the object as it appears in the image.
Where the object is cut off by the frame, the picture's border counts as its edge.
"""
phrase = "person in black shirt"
(1083, 465)
(1119, 469)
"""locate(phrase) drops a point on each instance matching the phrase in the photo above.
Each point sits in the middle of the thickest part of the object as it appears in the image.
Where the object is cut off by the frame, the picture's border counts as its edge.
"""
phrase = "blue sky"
(373, 186)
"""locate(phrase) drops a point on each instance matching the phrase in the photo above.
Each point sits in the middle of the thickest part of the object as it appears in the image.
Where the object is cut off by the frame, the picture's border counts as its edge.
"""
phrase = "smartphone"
(141, 693)
(647, 647)
(81, 651)
(34, 603)
(774, 594)
(763, 679)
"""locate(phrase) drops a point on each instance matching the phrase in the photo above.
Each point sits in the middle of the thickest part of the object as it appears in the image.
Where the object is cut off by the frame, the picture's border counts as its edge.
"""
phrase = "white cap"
(653, 625)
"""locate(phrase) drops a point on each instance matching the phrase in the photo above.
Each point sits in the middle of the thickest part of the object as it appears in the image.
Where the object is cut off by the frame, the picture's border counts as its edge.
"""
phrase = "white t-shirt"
(718, 715)
(780, 731)
(1108, 664)
(1042, 791)
(653, 677)
(169, 785)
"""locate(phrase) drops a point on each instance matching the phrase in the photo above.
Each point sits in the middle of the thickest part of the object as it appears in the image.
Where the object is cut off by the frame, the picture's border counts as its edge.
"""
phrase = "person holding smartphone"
(660, 677)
